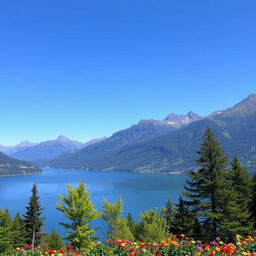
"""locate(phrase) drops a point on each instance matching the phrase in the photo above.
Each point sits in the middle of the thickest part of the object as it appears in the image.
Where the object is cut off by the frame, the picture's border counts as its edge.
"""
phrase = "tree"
(236, 210)
(118, 227)
(168, 215)
(152, 227)
(6, 234)
(19, 232)
(33, 221)
(206, 186)
(253, 201)
(55, 241)
(184, 221)
(79, 210)
(130, 222)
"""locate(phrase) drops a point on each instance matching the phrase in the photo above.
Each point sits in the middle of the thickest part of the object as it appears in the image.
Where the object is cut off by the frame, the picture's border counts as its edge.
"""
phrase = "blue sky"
(86, 69)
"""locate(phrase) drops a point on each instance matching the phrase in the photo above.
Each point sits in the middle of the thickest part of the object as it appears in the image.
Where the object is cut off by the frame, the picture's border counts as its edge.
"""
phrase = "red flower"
(61, 250)
(69, 246)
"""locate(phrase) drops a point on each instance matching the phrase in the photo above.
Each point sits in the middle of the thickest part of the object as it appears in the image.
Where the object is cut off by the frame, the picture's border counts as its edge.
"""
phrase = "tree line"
(218, 201)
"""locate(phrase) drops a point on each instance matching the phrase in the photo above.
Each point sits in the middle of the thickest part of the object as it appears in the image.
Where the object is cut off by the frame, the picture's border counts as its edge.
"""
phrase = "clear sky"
(86, 69)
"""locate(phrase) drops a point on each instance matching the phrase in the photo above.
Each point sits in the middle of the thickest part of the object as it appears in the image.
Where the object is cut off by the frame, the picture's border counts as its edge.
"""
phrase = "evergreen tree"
(253, 201)
(168, 215)
(184, 221)
(80, 211)
(54, 241)
(33, 221)
(130, 222)
(240, 181)
(152, 227)
(236, 217)
(19, 232)
(206, 186)
(118, 227)
(6, 234)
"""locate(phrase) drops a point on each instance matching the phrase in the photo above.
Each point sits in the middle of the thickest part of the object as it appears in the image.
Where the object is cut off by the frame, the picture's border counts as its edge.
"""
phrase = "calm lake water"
(138, 191)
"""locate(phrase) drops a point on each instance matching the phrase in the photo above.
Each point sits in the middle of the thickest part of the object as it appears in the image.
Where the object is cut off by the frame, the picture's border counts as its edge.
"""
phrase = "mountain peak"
(180, 120)
(251, 97)
(243, 108)
(62, 138)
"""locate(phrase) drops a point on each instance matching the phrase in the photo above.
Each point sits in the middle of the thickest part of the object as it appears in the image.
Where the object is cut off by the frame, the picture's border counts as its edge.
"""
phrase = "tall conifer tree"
(236, 209)
(205, 186)
(32, 218)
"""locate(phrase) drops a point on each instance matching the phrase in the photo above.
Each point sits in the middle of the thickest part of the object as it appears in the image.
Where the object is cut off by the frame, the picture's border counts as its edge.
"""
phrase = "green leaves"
(79, 210)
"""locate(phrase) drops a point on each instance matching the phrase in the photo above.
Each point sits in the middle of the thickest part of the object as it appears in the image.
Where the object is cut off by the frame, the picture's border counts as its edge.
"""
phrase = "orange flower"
(212, 253)
(174, 243)
(164, 243)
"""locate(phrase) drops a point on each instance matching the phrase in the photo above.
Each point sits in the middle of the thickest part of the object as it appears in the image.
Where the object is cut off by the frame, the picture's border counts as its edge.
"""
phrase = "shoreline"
(24, 174)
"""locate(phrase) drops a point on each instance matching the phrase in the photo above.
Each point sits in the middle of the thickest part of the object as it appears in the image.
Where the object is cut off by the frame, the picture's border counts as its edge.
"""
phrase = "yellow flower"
(193, 242)
(238, 238)
(60, 254)
(217, 249)
(18, 248)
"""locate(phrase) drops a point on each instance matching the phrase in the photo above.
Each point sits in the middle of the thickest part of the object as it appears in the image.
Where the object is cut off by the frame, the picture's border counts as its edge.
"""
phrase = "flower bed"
(171, 246)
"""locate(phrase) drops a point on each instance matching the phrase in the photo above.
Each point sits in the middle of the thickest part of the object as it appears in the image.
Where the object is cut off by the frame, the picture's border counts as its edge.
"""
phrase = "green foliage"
(6, 232)
(151, 227)
(236, 216)
(130, 222)
(18, 230)
(33, 221)
(206, 187)
(54, 241)
(253, 201)
(184, 221)
(79, 210)
(168, 215)
(118, 228)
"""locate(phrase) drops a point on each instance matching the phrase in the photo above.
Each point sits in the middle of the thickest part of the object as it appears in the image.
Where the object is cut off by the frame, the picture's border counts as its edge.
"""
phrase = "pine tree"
(205, 186)
(236, 217)
(80, 211)
(6, 234)
(19, 232)
(253, 201)
(118, 227)
(240, 181)
(33, 221)
(168, 215)
(184, 221)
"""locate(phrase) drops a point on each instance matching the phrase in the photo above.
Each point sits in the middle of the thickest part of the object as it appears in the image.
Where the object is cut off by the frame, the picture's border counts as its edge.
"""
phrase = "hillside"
(11, 166)
(235, 128)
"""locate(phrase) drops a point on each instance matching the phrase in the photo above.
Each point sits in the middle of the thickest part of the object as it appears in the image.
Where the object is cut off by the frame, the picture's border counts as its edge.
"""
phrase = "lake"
(138, 191)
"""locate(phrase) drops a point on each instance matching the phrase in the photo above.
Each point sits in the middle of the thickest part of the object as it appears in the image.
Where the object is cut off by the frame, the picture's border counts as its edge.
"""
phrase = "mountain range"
(167, 145)
(170, 145)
